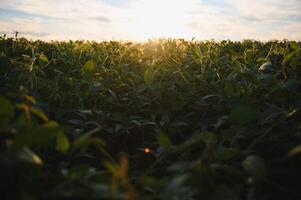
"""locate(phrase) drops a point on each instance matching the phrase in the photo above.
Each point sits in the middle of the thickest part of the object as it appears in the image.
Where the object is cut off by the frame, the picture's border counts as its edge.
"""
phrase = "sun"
(159, 18)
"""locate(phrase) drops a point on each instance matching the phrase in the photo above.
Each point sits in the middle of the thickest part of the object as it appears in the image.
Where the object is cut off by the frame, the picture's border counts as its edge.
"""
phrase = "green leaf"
(43, 58)
(113, 94)
(149, 76)
(295, 62)
(243, 114)
(237, 66)
(178, 188)
(111, 167)
(51, 124)
(267, 79)
(30, 99)
(6, 112)
(227, 154)
(295, 151)
(266, 67)
(62, 142)
(289, 56)
(6, 108)
(255, 167)
(88, 70)
(89, 65)
(223, 192)
(229, 89)
(198, 138)
(164, 141)
(84, 138)
(210, 73)
(197, 52)
(148, 181)
(38, 112)
(294, 45)
(27, 155)
(291, 85)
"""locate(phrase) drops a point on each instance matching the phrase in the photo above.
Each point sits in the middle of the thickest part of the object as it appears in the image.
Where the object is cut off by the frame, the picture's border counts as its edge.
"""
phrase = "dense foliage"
(166, 119)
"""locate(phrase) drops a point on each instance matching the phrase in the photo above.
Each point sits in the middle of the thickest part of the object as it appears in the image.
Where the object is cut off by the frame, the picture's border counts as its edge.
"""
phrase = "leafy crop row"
(165, 119)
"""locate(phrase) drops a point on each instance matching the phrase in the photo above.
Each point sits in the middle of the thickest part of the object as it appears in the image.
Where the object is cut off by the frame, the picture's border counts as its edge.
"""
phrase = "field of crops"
(164, 119)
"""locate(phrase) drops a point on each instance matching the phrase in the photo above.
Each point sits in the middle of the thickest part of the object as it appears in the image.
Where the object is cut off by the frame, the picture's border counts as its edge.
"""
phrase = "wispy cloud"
(266, 10)
(101, 19)
(141, 19)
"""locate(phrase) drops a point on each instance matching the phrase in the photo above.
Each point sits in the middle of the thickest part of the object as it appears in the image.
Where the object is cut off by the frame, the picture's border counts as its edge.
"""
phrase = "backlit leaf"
(43, 58)
(164, 141)
(295, 151)
(88, 70)
(149, 76)
(243, 114)
(38, 112)
(27, 155)
(62, 142)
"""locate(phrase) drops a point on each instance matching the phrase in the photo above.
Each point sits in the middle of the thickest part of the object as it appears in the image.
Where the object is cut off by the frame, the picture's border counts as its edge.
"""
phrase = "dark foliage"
(166, 119)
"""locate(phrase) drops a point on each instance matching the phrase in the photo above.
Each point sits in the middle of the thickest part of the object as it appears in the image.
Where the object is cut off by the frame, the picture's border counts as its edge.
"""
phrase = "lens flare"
(147, 150)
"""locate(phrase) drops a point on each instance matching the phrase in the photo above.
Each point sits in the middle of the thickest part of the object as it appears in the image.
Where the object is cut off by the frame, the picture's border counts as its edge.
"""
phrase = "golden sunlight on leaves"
(120, 178)
(122, 168)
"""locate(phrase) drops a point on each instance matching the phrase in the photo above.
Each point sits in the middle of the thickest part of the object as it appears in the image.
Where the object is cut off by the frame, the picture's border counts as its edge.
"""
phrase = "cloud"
(266, 9)
(68, 9)
(34, 34)
(142, 19)
(20, 24)
(253, 19)
(101, 19)
(30, 28)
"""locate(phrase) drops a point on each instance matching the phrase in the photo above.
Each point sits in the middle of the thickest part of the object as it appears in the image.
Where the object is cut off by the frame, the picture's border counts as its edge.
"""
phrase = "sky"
(149, 19)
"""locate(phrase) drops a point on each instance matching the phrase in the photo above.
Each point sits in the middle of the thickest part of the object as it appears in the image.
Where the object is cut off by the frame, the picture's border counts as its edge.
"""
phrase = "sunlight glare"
(160, 18)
